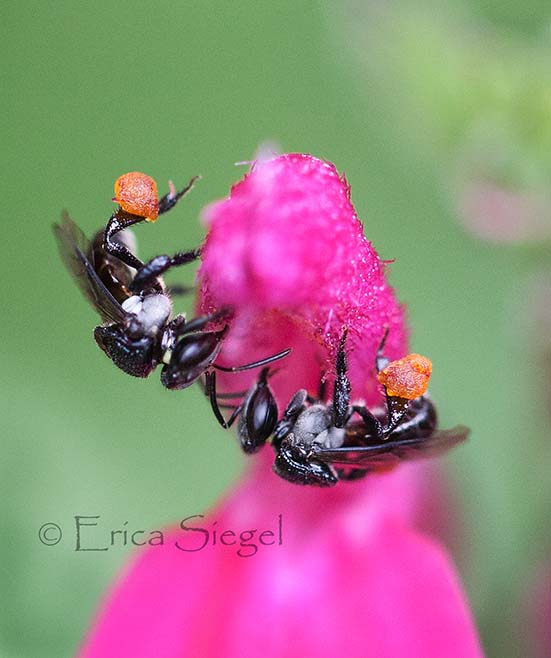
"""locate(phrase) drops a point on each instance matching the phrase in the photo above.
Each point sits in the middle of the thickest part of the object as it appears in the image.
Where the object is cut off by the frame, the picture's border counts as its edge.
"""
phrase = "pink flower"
(342, 572)
(350, 579)
(288, 253)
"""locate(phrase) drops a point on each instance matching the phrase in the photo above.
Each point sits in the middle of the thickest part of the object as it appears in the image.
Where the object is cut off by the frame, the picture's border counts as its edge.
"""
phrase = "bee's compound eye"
(408, 377)
(136, 193)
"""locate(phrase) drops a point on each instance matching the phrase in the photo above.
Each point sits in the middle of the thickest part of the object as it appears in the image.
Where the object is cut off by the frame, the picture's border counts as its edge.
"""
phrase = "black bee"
(317, 443)
(134, 304)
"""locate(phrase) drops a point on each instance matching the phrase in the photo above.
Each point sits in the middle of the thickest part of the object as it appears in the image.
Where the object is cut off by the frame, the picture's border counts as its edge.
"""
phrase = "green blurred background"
(390, 93)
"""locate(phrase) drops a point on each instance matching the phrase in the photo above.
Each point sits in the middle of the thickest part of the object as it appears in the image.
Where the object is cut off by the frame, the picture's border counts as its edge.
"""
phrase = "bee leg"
(396, 410)
(322, 389)
(295, 407)
(223, 396)
(255, 364)
(198, 324)
(341, 391)
(118, 222)
(210, 390)
(373, 427)
(179, 290)
(147, 274)
(170, 199)
(381, 361)
(171, 330)
(322, 392)
(178, 326)
(121, 220)
(396, 406)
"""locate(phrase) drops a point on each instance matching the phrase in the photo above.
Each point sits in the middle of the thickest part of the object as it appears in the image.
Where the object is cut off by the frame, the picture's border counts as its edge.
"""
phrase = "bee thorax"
(151, 311)
(331, 438)
(315, 425)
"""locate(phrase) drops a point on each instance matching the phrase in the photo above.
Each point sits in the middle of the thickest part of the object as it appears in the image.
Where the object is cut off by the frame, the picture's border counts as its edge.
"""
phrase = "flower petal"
(287, 252)
(349, 579)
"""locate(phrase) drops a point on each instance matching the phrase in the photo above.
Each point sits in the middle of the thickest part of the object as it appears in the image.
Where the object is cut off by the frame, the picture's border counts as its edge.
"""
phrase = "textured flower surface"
(287, 252)
(343, 572)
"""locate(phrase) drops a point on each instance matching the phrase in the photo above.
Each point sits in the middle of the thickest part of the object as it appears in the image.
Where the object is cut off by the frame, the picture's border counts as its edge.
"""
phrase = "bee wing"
(73, 248)
(387, 453)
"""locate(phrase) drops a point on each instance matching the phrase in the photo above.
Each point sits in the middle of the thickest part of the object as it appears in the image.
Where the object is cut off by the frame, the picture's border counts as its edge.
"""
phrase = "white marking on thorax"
(152, 311)
(314, 425)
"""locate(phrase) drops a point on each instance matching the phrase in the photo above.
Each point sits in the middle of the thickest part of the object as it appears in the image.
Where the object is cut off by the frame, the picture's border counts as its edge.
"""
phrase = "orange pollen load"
(136, 193)
(408, 377)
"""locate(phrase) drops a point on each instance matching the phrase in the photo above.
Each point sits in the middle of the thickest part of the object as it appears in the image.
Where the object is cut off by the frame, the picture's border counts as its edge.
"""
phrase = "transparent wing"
(73, 248)
(387, 453)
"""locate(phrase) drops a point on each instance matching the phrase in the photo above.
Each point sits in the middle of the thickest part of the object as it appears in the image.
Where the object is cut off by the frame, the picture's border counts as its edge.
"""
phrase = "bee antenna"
(383, 341)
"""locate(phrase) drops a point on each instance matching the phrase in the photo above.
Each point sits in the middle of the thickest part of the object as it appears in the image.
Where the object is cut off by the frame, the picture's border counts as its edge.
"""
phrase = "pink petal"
(287, 252)
(350, 579)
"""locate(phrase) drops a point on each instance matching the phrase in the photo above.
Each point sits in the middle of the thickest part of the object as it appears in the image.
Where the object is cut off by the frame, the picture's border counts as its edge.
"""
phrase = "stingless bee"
(319, 443)
(138, 331)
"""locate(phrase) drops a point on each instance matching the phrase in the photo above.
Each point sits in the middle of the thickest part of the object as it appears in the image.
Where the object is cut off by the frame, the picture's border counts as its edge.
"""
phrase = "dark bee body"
(419, 422)
(362, 453)
(115, 275)
(348, 447)
(138, 333)
(258, 416)
(318, 443)
(135, 327)
(296, 464)
(257, 413)
(190, 358)
(130, 296)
